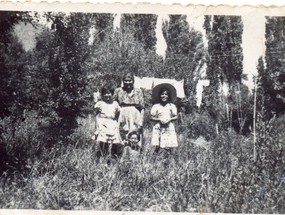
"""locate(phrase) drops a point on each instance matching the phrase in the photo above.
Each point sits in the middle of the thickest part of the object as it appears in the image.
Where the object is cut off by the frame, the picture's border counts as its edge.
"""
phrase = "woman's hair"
(165, 90)
(129, 75)
(107, 89)
(134, 133)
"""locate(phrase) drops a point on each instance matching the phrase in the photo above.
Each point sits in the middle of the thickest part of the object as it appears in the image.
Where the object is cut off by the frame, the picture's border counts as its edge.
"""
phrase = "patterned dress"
(164, 135)
(107, 126)
(131, 106)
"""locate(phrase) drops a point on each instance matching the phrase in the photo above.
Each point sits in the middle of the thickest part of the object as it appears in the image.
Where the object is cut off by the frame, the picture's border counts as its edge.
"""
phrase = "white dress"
(107, 127)
(164, 136)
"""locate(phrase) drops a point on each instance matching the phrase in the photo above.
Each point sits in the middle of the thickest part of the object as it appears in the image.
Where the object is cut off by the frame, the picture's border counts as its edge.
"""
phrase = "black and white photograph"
(149, 110)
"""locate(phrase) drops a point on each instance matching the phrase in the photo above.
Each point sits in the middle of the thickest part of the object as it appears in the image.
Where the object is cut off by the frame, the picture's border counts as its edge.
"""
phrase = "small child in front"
(107, 128)
(164, 113)
(132, 148)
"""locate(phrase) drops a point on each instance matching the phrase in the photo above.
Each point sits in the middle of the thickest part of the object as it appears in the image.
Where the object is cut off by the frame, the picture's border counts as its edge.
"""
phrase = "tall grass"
(200, 176)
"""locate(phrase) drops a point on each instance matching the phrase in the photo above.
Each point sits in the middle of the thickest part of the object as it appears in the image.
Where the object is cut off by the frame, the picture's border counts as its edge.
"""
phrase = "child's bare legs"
(156, 153)
(102, 150)
(117, 150)
(124, 134)
(156, 149)
(165, 154)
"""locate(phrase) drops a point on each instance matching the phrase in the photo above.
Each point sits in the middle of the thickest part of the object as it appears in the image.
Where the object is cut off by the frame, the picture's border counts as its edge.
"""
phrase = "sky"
(26, 34)
(252, 44)
(253, 39)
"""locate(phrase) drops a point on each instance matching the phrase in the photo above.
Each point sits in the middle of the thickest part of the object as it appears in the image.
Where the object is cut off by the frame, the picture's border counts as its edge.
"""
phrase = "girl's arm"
(173, 114)
(153, 114)
(173, 111)
(142, 116)
(117, 116)
(118, 110)
(173, 118)
(97, 111)
(154, 118)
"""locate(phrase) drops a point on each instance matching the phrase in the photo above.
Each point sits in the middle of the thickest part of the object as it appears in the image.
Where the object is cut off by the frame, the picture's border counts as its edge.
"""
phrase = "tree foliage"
(124, 50)
(11, 60)
(224, 66)
(185, 53)
(273, 78)
(142, 27)
(224, 34)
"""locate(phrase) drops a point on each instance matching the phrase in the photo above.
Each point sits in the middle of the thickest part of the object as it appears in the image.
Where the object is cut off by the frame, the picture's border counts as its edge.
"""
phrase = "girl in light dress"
(107, 128)
(164, 113)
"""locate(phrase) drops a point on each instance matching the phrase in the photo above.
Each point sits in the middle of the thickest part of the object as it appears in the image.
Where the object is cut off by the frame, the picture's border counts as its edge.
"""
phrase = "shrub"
(200, 125)
(22, 140)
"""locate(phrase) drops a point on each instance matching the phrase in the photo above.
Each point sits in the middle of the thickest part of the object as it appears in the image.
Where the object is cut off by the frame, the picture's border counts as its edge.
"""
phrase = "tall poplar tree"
(184, 54)
(142, 27)
(274, 86)
(224, 34)
(103, 25)
(263, 86)
(224, 63)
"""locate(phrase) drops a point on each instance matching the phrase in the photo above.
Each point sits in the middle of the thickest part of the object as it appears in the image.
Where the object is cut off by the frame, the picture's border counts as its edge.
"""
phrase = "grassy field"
(200, 176)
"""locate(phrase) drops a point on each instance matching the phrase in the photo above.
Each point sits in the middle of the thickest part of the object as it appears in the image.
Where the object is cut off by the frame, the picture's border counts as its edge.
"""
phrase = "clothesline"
(149, 83)
(185, 57)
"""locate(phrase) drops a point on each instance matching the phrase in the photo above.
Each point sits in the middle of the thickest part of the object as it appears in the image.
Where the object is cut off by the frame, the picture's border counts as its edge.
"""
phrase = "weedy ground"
(219, 175)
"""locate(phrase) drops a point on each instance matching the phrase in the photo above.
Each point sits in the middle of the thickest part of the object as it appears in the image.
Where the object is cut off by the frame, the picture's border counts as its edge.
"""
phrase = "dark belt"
(128, 105)
(132, 105)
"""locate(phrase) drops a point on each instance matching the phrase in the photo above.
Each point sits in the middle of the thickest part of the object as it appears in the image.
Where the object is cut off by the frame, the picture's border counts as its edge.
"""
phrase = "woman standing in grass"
(164, 113)
(107, 130)
(132, 106)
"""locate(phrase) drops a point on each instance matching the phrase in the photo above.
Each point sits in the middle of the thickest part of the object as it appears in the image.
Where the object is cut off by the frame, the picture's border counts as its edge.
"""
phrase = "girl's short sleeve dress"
(107, 126)
(164, 136)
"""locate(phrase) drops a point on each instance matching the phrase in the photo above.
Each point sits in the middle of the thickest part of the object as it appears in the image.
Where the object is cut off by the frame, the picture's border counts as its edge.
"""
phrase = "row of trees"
(225, 67)
(271, 78)
(80, 51)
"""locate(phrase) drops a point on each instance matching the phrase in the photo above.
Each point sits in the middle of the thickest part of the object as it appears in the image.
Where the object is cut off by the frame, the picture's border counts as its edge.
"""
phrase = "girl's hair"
(107, 89)
(134, 133)
(165, 90)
